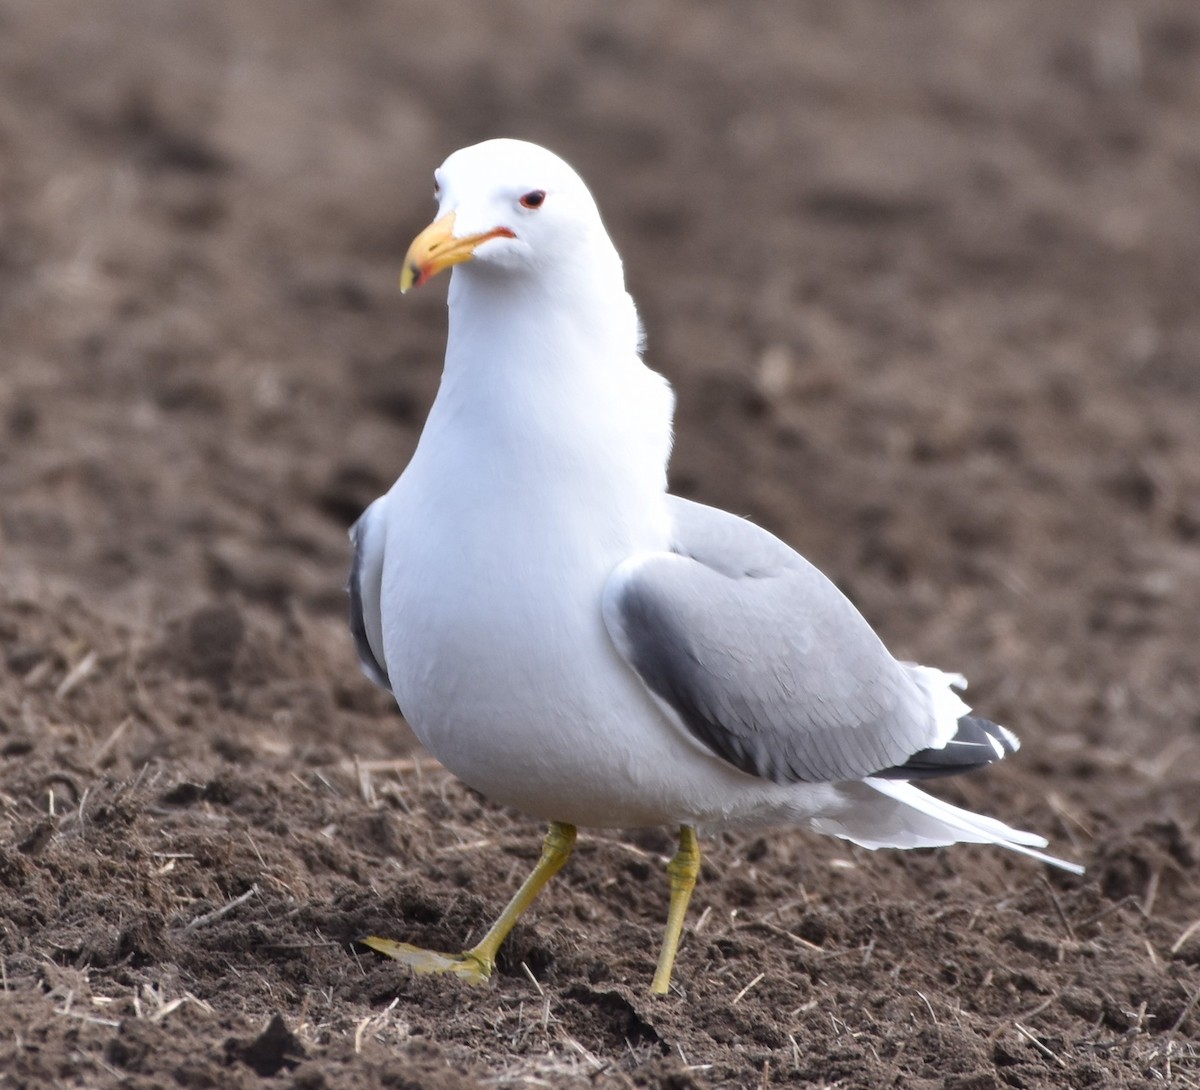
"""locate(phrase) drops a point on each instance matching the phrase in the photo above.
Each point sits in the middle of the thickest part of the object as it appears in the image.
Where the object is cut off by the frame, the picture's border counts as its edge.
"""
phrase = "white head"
(543, 338)
(510, 208)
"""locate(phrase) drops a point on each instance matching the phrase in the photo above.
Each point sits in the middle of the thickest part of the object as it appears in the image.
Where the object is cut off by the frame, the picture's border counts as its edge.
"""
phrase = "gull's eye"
(533, 199)
(437, 188)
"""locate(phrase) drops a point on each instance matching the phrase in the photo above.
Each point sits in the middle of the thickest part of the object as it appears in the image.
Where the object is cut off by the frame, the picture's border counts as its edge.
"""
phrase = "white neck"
(543, 386)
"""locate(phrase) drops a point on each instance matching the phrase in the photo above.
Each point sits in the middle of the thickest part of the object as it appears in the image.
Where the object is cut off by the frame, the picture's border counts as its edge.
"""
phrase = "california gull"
(573, 641)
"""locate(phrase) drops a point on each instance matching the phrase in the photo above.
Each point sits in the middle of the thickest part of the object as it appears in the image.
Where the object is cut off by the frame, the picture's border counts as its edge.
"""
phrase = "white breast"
(529, 486)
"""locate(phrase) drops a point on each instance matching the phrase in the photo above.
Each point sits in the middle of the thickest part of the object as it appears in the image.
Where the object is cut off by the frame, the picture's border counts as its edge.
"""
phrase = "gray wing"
(764, 660)
(368, 535)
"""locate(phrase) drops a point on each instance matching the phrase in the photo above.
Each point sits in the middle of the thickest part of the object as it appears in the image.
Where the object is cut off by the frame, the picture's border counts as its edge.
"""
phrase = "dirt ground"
(925, 278)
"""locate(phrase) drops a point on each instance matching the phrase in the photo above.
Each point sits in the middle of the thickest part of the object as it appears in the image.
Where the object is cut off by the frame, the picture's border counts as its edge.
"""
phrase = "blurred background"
(923, 275)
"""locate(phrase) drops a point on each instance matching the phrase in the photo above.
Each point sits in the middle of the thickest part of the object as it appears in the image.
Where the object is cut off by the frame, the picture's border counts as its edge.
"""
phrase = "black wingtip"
(977, 744)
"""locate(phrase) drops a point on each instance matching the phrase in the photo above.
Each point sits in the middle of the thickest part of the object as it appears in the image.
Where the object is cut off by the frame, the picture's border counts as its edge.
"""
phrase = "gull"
(571, 640)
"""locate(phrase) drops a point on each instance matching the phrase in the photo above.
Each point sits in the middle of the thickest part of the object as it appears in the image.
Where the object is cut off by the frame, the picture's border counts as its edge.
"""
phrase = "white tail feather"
(916, 820)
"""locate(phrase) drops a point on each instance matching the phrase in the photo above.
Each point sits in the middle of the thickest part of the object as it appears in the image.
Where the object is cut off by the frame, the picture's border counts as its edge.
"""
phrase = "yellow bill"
(436, 248)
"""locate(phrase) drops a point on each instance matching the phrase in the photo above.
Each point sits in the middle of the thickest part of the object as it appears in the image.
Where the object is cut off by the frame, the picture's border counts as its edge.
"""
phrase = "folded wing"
(767, 664)
(366, 576)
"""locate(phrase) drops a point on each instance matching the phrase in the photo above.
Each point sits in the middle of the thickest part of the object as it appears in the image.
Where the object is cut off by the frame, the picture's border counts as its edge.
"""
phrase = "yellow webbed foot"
(467, 966)
(475, 965)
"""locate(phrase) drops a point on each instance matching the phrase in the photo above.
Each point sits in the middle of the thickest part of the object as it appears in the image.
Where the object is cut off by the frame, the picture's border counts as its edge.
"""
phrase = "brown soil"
(925, 277)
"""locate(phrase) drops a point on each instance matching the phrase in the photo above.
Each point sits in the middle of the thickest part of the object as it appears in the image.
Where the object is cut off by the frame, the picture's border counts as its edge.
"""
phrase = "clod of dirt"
(616, 1015)
(37, 837)
(1083, 1004)
(143, 939)
(271, 1051)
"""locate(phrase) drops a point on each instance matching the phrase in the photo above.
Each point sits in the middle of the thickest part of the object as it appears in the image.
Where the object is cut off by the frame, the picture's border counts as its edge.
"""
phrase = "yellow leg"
(682, 871)
(475, 965)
